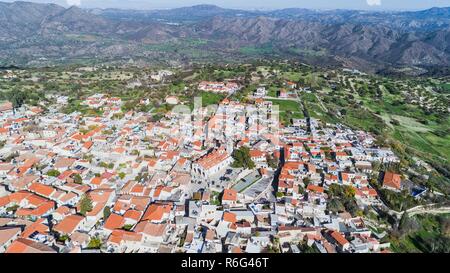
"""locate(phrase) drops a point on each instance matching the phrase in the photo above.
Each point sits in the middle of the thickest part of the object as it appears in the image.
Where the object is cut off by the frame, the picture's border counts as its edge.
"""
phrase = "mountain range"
(43, 34)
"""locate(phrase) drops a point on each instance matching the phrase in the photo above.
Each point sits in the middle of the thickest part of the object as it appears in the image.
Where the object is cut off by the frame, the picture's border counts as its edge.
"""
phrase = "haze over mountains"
(38, 34)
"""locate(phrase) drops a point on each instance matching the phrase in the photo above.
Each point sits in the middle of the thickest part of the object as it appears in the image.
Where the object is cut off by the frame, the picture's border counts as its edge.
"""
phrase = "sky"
(256, 4)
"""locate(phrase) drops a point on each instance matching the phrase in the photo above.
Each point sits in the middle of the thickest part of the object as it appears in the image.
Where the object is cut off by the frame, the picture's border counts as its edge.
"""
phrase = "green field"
(291, 76)
(446, 87)
(209, 98)
(272, 91)
(256, 50)
(288, 110)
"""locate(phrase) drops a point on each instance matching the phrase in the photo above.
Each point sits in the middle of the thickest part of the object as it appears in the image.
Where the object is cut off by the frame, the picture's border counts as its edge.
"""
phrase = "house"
(257, 156)
(151, 232)
(113, 222)
(229, 197)
(124, 241)
(314, 188)
(283, 94)
(22, 245)
(172, 100)
(63, 163)
(340, 240)
(70, 224)
(157, 213)
(212, 163)
(392, 181)
(291, 85)
(7, 236)
(364, 166)
(218, 87)
(260, 92)
(6, 109)
(100, 199)
(341, 156)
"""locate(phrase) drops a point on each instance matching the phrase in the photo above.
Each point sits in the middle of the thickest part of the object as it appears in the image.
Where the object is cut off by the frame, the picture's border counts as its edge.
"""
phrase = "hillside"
(40, 34)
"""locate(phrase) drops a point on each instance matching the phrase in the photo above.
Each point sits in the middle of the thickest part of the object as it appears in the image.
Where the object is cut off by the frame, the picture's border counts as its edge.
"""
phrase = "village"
(230, 178)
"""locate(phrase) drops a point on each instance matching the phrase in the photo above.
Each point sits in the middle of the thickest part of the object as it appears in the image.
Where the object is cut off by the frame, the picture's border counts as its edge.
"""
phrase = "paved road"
(422, 209)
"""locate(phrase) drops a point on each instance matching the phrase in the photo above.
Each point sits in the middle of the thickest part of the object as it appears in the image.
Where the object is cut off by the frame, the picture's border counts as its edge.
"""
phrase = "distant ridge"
(33, 33)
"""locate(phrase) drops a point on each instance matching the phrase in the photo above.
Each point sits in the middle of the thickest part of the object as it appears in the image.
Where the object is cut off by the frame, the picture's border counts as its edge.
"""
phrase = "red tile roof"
(392, 180)
(229, 195)
(69, 224)
(114, 221)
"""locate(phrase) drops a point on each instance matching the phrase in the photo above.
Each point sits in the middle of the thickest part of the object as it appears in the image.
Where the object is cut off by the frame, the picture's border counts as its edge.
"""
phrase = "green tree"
(54, 173)
(106, 212)
(279, 194)
(17, 98)
(271, 161)
(342, 195)
(85, 205)
(122, 175)
(127, 227)
(242, 158)
(77, 179)
(95, 243)
(335, 205)
(63, 238)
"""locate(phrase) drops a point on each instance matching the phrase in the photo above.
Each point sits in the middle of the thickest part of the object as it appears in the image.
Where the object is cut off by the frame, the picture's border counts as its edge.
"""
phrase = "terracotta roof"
(315, 188)
(7, 233)
(256, 153)
(229, 195)
(392, 180)
(69, 224)
(117, 236)
(155, 212)
(41, 189)
(155, 230)
(133, 214)
(114, 221)
(4, 201)
(43, 208)
(23, 245)
(236, 249)
(212, 159)
(229, 217)
(339, 238)
(64, 162)
(37, 226)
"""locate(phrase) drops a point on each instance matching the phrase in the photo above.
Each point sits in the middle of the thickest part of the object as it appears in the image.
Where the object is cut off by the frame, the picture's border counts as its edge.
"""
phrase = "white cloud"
(374, 2)
(73, 2)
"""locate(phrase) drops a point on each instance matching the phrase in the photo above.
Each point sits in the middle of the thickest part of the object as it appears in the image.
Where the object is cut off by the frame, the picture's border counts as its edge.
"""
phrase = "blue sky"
(258, 4)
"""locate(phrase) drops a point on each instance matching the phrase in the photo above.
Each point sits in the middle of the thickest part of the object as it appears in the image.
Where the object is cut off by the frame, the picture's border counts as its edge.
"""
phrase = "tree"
(279, 194)
(54, 173)
(242, 158)
(95, 243)
(335, 205)
(306, 181)
(127, 227)
(17, 98)
(85, 205)
(106, 212)
(63, 238)
(271, 161)
(77, 179)
(122, 175)
(346, 197)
